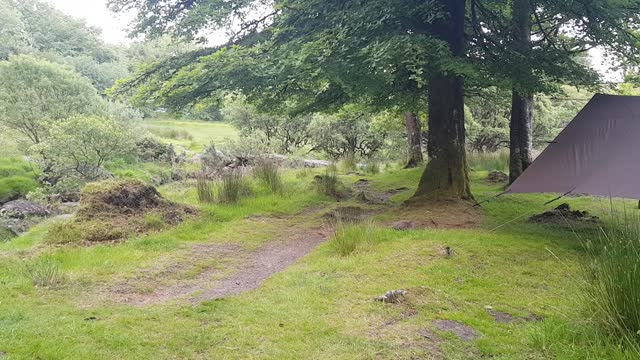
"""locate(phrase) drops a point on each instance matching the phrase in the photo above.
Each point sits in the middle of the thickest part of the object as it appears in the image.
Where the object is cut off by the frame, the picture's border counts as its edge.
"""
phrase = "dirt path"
(220, 269)
(266, 261)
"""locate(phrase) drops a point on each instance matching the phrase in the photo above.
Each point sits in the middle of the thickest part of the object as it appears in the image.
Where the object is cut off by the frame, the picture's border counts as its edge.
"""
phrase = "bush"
(268, 173)
(17, 178)
(613, 278)
(205, 190)
(82, 146)
(349, 238)
(45, 272)
(150, 148)
(232, 188)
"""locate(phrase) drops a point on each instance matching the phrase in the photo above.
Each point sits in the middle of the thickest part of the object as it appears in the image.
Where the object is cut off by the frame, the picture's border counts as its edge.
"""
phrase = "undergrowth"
(613, 277)
(268, 173)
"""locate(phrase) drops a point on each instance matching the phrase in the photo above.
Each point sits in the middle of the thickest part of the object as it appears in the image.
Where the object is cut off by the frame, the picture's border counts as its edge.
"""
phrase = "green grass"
(613, 276)
(498, 160)
(200, 133)
(322, 306)
(17, 178)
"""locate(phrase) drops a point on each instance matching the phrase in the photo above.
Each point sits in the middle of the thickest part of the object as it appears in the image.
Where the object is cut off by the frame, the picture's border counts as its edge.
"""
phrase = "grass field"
(192, 134)
(321, 307)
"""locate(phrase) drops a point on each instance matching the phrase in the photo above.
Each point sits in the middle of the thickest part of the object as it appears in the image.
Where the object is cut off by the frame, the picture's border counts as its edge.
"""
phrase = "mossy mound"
(118, 197)
(115, 209)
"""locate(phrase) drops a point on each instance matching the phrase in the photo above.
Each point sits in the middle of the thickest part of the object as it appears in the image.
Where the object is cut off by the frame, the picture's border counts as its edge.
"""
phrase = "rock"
(315, 163)
(392, 296)
(497, 177)
(464, 332)
(404, 225)
(19, 209)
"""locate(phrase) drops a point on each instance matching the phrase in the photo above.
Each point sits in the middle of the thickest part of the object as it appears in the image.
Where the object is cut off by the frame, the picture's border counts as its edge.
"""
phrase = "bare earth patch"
(211, 271)
(439, 214)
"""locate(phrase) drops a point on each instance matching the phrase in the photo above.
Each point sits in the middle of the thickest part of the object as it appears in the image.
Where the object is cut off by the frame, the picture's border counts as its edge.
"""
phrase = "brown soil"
(220, 269)
(439, 214)
(563, 215)
(464, 332)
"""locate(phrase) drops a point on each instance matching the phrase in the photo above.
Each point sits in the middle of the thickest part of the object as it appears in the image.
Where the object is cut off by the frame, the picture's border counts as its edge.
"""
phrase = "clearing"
(235, 283)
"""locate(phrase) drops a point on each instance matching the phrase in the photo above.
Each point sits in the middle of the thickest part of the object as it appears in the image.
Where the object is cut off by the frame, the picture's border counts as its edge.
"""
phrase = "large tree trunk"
(414, 135)
(446, 174)
(521, 126)
(520, 134)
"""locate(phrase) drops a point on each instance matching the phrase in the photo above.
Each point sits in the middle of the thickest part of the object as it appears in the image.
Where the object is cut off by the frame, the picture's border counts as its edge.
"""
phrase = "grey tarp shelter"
(598, 153)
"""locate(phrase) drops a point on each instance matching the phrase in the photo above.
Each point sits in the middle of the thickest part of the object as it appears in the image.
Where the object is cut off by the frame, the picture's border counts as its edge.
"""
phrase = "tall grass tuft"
(613, 277)
(232, 188)
(348, 163)
(205, 190)
(45, 272)
(268, 173)
(498, 160)
(328, 184)
(349, 238)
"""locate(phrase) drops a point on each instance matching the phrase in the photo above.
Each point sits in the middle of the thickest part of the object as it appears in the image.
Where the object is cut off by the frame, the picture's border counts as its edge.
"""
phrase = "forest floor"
(263, 279)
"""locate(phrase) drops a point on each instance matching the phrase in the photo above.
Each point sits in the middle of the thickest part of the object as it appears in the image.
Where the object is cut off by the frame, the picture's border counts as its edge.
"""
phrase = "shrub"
(45, 272)
(268, 173)
(82, 145)
(613, 278)
(349, 238)
(150, 148)
(232, 188)
(205, 190)
(498, 160)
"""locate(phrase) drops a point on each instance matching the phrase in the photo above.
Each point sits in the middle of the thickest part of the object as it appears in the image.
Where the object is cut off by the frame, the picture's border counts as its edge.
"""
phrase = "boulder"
(19, 209)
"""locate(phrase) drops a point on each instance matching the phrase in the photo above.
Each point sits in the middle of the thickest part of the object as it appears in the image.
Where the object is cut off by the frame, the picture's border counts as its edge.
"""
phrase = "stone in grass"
(19, 209)
(392, 296)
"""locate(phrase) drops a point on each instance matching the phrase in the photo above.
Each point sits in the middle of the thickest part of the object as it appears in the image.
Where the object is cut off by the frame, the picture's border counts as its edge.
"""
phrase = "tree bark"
(446, 174)
(520, 135)
(521, 123)
(414, 135)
